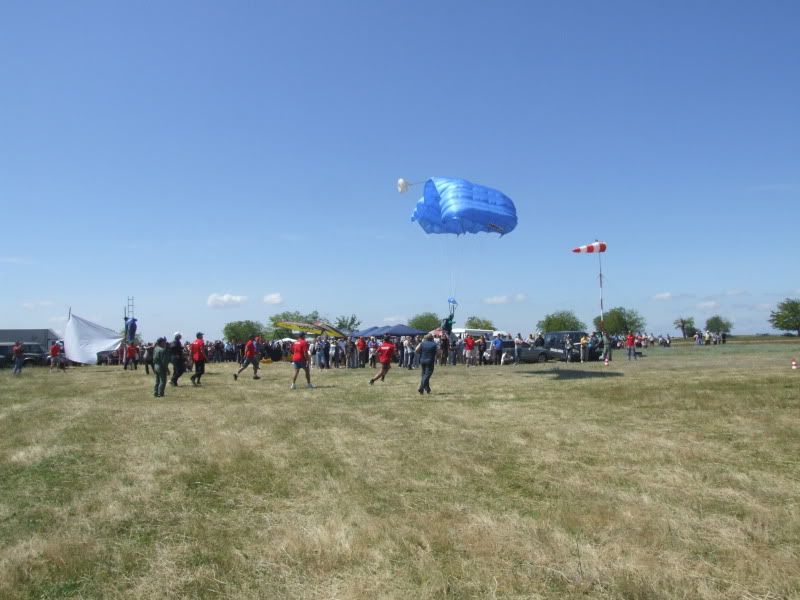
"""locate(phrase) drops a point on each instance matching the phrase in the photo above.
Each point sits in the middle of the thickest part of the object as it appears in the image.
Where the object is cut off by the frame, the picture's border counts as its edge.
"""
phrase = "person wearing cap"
(250, 358)
(300, 359)
(199, 357)
(178, 363)
(161, 359)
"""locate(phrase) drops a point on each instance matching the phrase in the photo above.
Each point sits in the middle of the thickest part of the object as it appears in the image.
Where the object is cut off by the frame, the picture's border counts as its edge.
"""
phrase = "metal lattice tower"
(130, 308)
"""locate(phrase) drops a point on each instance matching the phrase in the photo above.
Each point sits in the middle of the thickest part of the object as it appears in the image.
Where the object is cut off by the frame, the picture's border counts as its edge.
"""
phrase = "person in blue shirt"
(497, 343)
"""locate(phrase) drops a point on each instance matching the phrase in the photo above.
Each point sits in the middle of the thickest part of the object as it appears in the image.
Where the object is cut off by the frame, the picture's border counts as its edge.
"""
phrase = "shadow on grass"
(559, 373)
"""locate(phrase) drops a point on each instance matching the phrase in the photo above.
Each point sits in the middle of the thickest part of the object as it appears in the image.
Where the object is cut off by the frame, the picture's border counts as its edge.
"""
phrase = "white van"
(462, 332)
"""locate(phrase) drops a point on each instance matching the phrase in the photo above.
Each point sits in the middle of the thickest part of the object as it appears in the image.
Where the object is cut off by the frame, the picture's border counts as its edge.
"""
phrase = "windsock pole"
(602, 316)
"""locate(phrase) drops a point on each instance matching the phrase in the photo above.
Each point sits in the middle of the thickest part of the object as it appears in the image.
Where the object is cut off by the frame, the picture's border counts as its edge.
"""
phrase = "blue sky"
(226, 161)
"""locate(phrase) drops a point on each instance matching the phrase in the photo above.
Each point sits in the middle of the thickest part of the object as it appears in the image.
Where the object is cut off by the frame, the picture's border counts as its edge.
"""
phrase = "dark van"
(34, 354)
(555, 344)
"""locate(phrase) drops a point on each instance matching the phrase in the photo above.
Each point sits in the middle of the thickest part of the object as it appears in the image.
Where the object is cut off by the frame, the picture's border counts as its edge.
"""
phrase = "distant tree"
(787, 316)
(686, 325)
(718, 325)
(347, 324)
(479, 323)
(426, 321)
(239, 331)
(564, 320)
(289, 315)
(621, 320)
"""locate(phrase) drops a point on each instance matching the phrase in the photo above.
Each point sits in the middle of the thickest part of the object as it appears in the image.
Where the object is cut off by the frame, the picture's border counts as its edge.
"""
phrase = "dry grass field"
(675, 476)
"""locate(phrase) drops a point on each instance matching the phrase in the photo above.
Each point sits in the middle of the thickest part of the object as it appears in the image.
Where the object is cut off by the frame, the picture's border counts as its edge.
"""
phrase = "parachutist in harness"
(447, 323)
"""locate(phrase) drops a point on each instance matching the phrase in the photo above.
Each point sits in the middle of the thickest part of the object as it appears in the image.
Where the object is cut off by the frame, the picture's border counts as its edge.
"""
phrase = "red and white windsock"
(593, 247)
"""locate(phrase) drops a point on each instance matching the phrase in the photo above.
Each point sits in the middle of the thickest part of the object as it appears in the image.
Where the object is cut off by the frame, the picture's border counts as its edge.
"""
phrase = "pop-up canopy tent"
(402, 330)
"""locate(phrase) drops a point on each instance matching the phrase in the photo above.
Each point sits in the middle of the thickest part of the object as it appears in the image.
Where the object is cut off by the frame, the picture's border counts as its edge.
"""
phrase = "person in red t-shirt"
(199, 356)
(385, 356)
(470, 353)
(131, 356)
(18, 352)
(250, 358)
(300, 359)
(55, 356)
(630, 344)
(361, 346)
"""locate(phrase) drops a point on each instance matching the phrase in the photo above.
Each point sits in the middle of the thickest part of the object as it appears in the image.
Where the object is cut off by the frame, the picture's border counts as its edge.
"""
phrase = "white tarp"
(84, 339)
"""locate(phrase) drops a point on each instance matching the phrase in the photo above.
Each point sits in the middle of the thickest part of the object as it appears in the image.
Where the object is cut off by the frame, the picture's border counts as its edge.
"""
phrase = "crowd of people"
(170, 360)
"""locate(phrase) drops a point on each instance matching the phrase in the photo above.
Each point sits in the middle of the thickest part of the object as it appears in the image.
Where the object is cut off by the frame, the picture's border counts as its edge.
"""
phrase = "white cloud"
(497, 300)
(775, 187)
(14, 260)
(735, 293)
(394, 319)
(36, 304)
(709, 305)
(663, 296)
(273, 298)
(225, 300)
(520, 297)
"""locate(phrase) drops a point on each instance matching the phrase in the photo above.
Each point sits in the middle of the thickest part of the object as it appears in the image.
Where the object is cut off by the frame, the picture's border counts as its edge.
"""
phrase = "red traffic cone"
(794, 363)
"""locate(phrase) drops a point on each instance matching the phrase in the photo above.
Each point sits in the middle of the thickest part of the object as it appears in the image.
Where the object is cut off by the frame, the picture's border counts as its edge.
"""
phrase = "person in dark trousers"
(178, 363)
(385, 356)
(161, 359)
(199, 357)
(426, 350)
(149, 349)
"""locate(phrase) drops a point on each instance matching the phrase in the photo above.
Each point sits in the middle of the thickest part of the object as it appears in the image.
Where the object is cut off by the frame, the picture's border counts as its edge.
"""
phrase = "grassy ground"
(675, 476)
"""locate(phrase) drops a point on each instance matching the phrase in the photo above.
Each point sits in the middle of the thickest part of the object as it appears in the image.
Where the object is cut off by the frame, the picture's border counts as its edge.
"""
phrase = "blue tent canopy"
(402, 330)
(387, 330)
(365, 332)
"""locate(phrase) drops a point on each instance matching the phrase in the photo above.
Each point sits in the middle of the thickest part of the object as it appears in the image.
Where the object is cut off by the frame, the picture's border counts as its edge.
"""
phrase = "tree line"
(619, 320)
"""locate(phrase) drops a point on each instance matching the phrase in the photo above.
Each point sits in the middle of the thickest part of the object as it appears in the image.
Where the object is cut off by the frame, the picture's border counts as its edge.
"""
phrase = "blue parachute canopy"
(458, 206)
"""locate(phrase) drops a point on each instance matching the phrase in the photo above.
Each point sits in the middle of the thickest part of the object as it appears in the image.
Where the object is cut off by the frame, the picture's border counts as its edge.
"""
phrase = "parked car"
(555, 346)
(34, 354)
(527, 354)
(108, 357)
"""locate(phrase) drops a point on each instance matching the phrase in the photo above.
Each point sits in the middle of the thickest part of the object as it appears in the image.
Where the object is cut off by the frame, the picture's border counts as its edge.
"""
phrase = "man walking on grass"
(427, 359)
(198, 349)
(385, 356)
(300, 359)
(178, 364)
(161, 359)
(250, 358)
